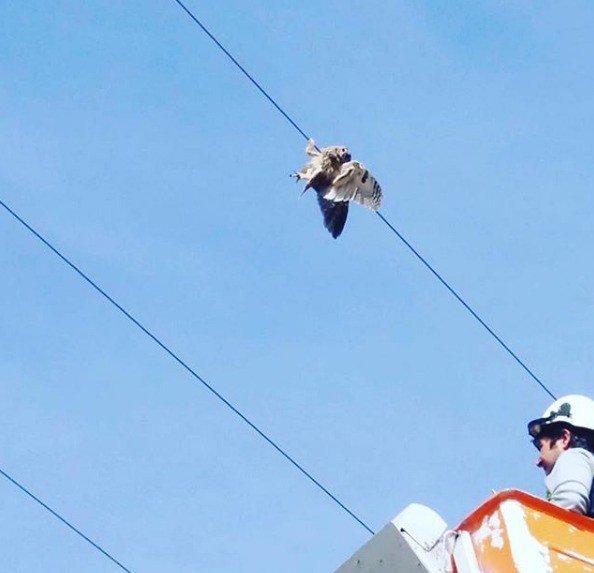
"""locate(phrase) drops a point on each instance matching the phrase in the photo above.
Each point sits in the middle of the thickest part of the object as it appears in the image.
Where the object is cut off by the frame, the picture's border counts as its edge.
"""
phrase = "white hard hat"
(575, 410)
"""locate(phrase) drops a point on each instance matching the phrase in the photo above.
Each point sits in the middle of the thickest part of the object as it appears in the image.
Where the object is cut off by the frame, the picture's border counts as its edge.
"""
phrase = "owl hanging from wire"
(337, 180)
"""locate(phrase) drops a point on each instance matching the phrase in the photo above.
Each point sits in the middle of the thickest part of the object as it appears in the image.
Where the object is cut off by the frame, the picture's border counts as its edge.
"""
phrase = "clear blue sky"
(129, 141)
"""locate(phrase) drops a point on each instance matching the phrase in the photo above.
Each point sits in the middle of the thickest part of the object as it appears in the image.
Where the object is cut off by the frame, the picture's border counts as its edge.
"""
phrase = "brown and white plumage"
(337, 180)
(354, 183)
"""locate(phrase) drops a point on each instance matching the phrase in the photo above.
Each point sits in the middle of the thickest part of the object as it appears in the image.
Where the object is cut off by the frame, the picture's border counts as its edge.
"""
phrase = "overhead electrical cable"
(184, 364)
(383, 219)
(243, 70)
(467, 307)
(66, 522)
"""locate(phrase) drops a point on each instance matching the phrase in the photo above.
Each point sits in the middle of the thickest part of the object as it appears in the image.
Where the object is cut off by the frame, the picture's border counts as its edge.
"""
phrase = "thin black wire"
(467, 307)
(416, 253)
(183, 364)
(65, 522)
(243, 70)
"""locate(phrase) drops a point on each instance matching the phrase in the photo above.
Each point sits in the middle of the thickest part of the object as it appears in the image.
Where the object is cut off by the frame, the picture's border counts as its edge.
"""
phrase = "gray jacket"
(571, 482)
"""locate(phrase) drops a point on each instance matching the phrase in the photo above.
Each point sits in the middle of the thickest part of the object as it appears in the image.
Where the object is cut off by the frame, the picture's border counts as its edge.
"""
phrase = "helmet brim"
(535, 427)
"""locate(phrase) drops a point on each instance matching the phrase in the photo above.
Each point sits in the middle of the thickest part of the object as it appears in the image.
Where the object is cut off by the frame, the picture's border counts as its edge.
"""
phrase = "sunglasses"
(538, 442)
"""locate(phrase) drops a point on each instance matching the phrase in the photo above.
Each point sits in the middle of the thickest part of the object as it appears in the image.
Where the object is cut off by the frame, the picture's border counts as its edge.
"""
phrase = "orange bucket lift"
(511, 532)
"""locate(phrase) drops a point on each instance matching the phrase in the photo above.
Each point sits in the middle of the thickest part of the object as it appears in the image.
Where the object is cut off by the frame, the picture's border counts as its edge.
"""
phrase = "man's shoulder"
(574, 464)
(577, 455)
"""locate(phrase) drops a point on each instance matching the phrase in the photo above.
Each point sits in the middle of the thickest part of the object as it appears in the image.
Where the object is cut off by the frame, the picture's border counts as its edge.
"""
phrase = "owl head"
(340, 154)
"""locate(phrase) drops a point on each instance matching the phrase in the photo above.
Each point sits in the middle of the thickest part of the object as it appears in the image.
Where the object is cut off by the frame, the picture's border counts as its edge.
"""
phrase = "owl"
(337, 180)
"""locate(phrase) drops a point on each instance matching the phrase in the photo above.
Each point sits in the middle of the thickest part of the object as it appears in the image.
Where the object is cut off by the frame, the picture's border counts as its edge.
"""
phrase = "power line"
(243, 70)
(390, 226)
(182, 363)
(466, 306)
(66, 522)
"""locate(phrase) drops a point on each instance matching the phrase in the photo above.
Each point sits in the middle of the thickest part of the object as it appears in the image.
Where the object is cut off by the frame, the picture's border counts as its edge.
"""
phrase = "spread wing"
(335, 215)
(354, 183)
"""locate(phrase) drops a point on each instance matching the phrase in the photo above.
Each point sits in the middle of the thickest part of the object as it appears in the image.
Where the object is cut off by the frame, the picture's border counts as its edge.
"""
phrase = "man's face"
(549, 451)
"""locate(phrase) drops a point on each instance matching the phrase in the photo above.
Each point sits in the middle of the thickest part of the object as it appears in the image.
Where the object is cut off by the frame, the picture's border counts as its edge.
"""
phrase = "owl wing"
(335, 215)
(354, 183)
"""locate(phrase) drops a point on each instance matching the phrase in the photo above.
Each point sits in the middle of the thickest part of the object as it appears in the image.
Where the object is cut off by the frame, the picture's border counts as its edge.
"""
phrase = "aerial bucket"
(512, 532)
(516, 532)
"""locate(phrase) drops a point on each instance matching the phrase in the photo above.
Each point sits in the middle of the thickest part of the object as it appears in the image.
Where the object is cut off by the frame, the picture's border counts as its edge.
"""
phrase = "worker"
(564, 438)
